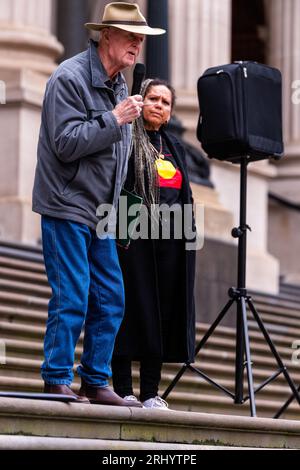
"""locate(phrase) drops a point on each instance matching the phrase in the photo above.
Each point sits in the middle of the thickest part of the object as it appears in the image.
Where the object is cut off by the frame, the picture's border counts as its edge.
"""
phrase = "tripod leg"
(214, 326)
(277, 357)
(200, 346)
(239, 356)
(248, 358)
(286, 405)
(174, 381)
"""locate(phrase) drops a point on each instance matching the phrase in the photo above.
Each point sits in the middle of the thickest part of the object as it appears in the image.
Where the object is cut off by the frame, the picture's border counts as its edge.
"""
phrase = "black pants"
(150, 375)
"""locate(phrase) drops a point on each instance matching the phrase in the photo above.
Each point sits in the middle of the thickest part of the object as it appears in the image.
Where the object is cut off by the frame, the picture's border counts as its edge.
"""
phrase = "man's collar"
(100, 79)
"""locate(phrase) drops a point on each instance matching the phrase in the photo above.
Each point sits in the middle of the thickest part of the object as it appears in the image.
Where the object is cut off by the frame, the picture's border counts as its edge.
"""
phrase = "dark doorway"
(248, 30)
(71, 16)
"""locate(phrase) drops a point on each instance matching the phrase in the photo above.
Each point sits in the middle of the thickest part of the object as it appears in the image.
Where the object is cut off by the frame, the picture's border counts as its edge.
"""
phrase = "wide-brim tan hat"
(126, 16)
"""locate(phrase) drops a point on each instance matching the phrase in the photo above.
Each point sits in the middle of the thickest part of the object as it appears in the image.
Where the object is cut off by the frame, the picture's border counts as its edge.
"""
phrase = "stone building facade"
(36, 34)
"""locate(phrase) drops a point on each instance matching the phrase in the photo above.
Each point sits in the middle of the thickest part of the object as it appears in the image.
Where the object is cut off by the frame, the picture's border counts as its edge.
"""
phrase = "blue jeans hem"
(57, 382)
(52, 380)
(93, 382)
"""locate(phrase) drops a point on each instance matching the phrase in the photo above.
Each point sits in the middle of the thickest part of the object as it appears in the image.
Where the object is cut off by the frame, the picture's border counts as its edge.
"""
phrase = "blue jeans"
(87, 289)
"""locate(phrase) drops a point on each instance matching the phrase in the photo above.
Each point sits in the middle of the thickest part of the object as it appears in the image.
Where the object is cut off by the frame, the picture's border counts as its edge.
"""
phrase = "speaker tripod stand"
(242, 299)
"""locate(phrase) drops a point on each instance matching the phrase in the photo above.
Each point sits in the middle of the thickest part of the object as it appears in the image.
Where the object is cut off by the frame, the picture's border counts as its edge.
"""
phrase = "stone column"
(28, 52)
(201, 38)
(284, 53)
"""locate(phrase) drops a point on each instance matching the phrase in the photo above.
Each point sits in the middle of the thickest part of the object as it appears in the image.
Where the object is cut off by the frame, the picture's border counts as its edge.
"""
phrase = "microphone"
(138, 77)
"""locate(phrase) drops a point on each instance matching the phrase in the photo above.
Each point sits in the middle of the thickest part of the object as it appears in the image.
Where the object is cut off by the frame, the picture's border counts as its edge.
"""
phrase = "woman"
(159, 321)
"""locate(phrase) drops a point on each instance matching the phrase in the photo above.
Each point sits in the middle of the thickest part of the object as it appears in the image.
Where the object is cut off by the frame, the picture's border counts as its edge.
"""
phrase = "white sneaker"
(130, 398)
(156, 402)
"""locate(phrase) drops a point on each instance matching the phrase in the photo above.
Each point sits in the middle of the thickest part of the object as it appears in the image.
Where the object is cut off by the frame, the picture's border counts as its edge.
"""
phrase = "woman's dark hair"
(161, 82)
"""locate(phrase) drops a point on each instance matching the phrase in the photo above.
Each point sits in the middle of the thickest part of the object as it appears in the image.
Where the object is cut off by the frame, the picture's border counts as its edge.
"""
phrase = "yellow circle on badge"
(165, 169)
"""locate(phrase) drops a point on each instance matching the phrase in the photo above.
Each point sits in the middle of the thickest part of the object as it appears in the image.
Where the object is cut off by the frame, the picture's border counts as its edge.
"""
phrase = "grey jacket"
(82, 151)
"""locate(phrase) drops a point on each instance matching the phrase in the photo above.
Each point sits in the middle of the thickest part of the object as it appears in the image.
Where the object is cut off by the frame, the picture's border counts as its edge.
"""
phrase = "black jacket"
(155, 272)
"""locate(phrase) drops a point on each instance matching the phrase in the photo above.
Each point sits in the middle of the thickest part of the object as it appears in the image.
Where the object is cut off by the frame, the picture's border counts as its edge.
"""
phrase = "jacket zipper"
(244, 78)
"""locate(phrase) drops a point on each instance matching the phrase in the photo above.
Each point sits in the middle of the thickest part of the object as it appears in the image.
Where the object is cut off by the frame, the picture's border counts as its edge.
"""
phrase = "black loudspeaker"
(241, 112)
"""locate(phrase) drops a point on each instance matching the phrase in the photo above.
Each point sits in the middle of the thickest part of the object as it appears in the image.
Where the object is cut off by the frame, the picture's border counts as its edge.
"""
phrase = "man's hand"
(129, 109)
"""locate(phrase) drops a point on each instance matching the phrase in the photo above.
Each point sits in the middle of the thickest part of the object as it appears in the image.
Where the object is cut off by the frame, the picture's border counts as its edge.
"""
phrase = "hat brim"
(132, 29)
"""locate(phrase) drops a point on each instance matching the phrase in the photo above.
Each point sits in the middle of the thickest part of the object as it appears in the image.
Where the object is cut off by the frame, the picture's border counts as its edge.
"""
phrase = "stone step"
(289, 309)
(73, 421)
(20, 302)
(286, 287)
(17, 309)
(18, 365)
(269, 301)
(222, 371)
(25, 340)
(189, 383)
(55, 443)
(294, 296)
(18, 368)
(13, 274)
(25, 288)
(19, 331)
(24, 295)
(23, 349)
(21, 247)
(22, 265)
(285, 315)
(279, 324)
(33, 348)
(216, 344)
(257, 343)
(221, 404)
(23, 301)
(282, 336)
(192, 383)
(31, 255)
(22, 316)
(202, 399)
(12, 280)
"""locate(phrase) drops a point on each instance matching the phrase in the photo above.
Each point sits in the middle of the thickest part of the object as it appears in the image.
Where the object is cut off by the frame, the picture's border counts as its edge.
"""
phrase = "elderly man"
(82, 163)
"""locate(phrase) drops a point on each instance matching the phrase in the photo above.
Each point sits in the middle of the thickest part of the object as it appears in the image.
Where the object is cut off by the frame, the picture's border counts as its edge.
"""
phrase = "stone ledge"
(56, 443)
(16, 43)
(23, 86)
(54, 419)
